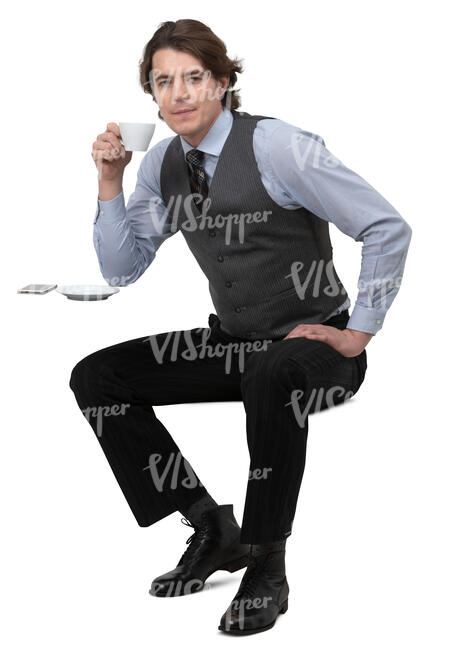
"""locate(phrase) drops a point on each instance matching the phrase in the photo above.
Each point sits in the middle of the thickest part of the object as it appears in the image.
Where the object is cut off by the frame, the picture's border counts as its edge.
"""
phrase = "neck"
(196, 138)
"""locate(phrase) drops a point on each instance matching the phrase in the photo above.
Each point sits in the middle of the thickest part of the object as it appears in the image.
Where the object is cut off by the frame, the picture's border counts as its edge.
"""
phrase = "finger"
(114, 128)
(103, 154)
(111, 138)
(103, 144)
(117, 151)
(110, 150)
(100, 153)
(315, 330)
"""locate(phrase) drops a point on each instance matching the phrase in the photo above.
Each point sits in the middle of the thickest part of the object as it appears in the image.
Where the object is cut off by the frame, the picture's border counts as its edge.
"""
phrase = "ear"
(224, 83)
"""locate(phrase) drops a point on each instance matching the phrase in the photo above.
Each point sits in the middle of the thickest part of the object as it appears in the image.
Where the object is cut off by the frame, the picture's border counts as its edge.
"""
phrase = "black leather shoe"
(262, 594)
(215, 545)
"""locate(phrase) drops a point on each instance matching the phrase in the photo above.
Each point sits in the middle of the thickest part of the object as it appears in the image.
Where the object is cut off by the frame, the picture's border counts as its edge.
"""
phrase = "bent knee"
(85, 373)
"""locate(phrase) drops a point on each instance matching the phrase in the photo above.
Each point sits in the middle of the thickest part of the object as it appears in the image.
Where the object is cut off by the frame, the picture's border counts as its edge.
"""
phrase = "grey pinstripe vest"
(269, 268)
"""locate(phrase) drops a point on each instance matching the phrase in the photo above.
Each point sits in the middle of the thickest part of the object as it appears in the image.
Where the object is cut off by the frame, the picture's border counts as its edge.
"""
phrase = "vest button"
(238, 310)
(212, 233)
(228, 283)
(220, 258)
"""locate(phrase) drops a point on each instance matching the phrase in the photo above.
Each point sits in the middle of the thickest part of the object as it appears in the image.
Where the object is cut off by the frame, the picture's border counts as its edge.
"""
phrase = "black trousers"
(279, 381)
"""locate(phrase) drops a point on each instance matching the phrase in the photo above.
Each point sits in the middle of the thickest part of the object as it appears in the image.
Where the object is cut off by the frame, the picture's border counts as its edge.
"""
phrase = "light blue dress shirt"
(297, 170)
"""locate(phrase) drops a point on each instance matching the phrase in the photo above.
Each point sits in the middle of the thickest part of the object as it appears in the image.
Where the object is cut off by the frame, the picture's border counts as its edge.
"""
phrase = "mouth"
(184, 111)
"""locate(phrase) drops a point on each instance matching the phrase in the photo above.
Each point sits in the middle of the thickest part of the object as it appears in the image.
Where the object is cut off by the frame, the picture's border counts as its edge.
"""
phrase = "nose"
(180, 90)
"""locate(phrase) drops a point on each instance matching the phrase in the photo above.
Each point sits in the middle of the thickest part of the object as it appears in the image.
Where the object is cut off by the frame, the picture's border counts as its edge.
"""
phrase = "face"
(188, 97)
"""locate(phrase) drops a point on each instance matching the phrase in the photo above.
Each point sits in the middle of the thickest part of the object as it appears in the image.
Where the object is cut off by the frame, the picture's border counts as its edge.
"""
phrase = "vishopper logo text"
(259, 473)
(325, 399)
(236, 609)
(234, 349)
(104, 411)
(170, 216)
(118, 280)
(319, 267)
(174, 461)
(314, 147)
(178, 588)
(377, 288)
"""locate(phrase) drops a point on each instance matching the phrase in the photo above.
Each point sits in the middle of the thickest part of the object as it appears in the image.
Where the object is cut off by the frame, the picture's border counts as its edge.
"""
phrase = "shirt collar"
(212, 143)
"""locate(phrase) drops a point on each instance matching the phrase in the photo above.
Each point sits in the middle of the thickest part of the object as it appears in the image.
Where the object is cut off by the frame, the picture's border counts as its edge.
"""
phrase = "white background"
(368, 563)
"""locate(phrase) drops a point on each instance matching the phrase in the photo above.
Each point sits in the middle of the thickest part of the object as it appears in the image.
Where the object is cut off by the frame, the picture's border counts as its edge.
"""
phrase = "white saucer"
(87, 291)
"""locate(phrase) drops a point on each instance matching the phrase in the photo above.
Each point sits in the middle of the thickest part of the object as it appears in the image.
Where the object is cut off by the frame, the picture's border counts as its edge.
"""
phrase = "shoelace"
(200, 530)
(250, 577)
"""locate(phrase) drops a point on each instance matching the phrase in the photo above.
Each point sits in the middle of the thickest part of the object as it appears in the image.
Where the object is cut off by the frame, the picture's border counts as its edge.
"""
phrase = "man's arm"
(126, 239)
(312, 177)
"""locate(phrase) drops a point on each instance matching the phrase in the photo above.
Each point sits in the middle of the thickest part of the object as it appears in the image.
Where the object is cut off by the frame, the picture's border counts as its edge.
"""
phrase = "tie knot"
(195, 157)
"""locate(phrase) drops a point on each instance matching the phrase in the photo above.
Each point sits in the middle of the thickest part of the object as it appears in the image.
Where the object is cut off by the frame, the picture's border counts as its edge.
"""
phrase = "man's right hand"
(109, 155)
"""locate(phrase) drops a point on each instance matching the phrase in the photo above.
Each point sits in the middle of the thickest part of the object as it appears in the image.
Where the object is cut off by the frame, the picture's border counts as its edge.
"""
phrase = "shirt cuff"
(365, 319)
(112, 211)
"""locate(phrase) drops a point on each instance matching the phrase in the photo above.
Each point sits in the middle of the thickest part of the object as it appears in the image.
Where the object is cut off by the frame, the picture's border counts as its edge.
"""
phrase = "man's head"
(185, 67)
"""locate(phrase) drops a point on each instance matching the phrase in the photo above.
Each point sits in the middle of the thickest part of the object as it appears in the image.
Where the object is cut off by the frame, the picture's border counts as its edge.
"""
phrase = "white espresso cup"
(136, 136)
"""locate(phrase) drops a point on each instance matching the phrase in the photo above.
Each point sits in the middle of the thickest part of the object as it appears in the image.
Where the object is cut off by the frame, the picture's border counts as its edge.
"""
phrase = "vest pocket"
(276, 296)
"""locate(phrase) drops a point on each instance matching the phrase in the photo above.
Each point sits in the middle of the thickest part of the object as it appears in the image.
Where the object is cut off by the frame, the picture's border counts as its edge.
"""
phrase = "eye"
(192, 78)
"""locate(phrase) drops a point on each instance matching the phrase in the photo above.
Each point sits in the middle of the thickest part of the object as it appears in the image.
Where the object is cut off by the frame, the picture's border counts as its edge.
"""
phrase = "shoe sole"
(283, 609)
(232, 566)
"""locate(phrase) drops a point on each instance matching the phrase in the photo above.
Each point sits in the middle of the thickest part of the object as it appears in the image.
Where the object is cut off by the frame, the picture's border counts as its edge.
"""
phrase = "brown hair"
(198, 39)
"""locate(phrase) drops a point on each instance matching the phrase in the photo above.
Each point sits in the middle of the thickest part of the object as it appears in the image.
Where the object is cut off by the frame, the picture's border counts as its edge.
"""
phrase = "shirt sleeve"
(310, 176)
(126, 239)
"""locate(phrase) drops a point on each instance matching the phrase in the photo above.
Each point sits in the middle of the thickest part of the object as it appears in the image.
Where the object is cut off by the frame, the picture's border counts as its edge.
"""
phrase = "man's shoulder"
(282, 130)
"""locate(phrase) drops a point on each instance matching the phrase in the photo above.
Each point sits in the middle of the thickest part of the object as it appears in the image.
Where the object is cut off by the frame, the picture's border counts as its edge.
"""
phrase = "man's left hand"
(349, 343)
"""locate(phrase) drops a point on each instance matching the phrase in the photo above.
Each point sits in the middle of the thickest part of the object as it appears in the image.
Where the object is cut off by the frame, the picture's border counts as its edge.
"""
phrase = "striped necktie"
(198, 177)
